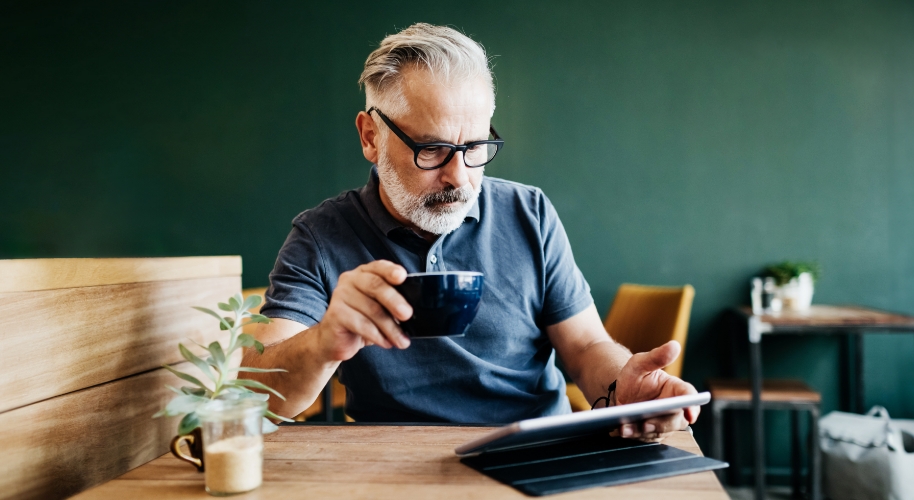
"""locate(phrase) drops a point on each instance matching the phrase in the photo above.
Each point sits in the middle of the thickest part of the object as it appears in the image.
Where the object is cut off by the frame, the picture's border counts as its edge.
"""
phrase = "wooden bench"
(83, 345)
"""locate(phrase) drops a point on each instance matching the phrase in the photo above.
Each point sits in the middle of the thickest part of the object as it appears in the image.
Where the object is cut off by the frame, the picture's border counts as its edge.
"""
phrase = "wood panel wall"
(83, 342)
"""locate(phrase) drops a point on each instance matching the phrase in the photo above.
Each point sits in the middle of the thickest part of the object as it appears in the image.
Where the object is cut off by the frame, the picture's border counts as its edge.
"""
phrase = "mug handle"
(176, 450)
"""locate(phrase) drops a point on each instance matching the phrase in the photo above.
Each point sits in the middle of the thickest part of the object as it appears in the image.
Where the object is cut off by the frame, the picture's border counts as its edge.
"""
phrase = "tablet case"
(596, 460)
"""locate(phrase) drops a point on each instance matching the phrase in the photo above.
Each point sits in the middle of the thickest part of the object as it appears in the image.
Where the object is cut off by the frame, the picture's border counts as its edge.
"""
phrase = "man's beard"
(426, 210)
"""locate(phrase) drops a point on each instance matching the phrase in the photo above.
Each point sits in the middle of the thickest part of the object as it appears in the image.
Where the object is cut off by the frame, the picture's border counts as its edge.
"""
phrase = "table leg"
(815, 455)
(859, 394)
(327, 396)
(796, 460)
(758, 422)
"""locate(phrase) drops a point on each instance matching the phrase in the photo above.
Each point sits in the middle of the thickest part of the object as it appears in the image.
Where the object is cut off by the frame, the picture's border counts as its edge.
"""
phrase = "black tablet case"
(586, 462)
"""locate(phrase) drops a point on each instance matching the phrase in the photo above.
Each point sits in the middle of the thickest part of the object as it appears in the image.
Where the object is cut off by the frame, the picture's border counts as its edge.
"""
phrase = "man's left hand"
(643, 379)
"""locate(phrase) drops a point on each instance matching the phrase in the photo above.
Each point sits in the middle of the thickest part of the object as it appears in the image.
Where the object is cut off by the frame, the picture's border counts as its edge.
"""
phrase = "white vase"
(796, 294)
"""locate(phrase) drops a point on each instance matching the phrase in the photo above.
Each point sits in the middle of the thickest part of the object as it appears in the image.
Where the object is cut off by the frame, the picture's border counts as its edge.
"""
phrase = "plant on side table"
(796, 282)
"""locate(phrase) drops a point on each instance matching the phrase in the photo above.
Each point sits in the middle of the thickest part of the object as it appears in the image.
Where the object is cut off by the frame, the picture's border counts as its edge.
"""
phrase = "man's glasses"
(432, 155)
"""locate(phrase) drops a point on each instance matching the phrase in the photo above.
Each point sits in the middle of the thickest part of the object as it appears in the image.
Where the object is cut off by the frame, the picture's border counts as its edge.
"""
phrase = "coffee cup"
(444, 303)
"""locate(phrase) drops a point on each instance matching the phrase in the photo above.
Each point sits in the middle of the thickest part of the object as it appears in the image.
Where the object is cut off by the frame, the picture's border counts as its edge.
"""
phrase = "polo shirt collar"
(371, 198)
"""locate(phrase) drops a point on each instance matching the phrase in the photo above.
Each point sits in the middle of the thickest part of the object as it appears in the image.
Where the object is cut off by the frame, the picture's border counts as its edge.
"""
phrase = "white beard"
(425, 210)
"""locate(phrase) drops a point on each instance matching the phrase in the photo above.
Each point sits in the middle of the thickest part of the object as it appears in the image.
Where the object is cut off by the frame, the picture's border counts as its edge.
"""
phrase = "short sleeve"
(566, 292)
(298, 289)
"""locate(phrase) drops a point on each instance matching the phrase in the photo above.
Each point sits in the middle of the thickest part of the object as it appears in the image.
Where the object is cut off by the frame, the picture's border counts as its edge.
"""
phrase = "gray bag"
(867, 456)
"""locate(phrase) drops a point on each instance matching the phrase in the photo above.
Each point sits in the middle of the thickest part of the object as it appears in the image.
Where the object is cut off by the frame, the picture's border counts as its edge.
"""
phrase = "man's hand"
(362, 311)
(643, 379)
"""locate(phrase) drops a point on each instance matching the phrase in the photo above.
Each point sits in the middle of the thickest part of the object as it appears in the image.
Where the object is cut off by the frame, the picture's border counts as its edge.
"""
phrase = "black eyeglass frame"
(418, 147)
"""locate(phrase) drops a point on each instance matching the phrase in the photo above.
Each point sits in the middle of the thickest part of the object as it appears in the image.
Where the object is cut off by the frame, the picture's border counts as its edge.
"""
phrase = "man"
(332, 294)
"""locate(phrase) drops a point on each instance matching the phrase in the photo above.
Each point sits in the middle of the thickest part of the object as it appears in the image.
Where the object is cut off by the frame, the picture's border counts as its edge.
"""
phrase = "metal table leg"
(815, 456)
(859, 399)
(756, 329)
(796, 452)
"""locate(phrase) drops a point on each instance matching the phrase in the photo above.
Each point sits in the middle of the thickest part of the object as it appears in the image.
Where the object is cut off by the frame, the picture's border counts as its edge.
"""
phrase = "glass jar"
(232, 445)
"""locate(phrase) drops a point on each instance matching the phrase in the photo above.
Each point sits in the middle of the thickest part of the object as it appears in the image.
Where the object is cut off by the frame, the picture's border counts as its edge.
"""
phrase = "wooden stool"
(793, 395)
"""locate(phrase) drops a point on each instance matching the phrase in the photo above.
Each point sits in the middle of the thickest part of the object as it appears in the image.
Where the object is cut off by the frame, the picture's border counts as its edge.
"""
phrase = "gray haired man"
(334, 303)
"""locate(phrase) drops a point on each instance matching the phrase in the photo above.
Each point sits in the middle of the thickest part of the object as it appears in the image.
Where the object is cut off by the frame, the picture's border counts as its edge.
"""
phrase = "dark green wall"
(681, 142)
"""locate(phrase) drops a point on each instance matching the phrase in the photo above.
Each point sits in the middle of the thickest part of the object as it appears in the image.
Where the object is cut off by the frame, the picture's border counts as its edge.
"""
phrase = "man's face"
(435, 201)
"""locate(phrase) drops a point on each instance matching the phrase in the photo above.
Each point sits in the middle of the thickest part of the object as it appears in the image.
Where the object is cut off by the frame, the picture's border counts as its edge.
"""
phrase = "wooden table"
(850, 321)
(380, 461)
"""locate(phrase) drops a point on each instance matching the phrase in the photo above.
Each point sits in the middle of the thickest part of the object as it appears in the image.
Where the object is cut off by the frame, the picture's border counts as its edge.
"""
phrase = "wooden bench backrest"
(83, 342)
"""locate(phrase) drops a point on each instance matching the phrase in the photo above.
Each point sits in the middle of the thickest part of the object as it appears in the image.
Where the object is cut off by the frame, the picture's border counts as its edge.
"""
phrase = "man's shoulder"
(511, 196)
(327, 212)
(502, 188)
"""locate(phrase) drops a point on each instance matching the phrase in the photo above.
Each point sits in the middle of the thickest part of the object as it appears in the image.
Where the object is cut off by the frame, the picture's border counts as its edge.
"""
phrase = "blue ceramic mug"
(444, 303)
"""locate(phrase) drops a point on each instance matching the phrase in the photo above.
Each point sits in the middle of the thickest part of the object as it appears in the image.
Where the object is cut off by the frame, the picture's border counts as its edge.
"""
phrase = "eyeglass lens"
(475, 156)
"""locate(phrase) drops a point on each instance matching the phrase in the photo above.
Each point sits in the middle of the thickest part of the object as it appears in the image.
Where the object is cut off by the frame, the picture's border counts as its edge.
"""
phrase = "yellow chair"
(642, 318)
(337, 390)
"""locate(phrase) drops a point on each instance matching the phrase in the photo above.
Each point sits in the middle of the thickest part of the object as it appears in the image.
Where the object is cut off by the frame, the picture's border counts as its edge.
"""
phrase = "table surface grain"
(384, 462)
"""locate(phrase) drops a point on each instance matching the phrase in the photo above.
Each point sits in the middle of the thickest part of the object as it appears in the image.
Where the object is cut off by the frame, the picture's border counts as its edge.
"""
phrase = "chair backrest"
(644, 317)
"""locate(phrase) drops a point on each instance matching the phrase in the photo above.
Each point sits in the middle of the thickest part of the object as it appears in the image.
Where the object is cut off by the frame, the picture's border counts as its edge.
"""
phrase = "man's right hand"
(362, 311)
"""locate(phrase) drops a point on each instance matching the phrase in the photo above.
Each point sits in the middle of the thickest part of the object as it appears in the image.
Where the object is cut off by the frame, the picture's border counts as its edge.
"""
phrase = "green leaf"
(252, 301)
(258, 346)
(196, 391)
(268, 427)
(213, 314)
(184, 404)
(277, 417)
(174, 390)
(228, 323)
(257, 370)
(184, 376)
(224, 306)
(239, 390)
(235, 303)
(159, 413)
(246, 340)
(245, 393)
(260, 318)
(256, 385)
(199, 363)
(188, 424)
(216, 350)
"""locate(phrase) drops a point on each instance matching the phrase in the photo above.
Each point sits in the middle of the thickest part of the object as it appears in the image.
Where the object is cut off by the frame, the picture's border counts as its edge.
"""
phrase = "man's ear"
(368, 135)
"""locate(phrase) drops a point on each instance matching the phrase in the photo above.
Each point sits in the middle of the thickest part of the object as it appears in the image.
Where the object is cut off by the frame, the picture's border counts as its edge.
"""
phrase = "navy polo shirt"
(503, 370)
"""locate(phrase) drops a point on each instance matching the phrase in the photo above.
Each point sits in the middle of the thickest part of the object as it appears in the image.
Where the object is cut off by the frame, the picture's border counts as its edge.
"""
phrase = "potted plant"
(220, 377)
(796, 283)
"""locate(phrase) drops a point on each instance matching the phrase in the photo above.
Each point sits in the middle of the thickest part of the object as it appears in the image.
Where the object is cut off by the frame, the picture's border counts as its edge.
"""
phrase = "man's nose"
(454, 172)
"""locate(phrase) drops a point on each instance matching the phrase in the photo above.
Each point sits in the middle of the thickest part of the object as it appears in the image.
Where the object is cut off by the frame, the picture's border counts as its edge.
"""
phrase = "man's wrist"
(315, 351)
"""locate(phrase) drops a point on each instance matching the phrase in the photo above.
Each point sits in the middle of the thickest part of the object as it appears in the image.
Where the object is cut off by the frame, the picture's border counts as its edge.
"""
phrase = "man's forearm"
(307, 371)
(599, 365)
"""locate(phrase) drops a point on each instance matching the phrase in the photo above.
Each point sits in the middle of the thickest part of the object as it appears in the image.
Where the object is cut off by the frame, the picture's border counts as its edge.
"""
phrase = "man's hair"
(446, 53)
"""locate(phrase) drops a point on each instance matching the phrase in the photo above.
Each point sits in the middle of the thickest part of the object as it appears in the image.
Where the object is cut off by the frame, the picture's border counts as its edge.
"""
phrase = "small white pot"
(796, 294)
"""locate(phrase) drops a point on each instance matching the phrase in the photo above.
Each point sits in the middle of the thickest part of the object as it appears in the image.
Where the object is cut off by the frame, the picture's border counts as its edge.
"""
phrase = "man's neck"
(385, 200)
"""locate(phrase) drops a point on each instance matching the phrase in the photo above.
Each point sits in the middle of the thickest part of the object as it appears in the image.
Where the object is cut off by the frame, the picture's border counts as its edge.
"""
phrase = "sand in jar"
(234, 465)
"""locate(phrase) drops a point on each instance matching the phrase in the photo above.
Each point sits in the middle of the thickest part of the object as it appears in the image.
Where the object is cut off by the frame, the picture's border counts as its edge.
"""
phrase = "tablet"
(561, 427)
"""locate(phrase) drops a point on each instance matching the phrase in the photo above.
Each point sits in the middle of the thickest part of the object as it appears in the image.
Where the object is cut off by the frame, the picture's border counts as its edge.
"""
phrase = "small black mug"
(444, 303)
